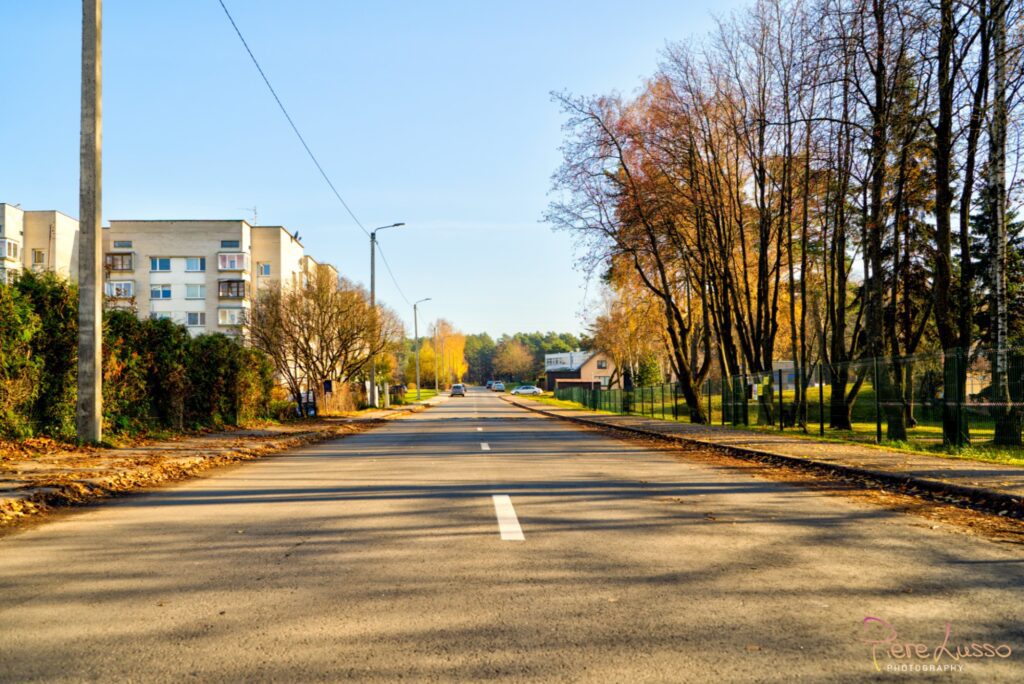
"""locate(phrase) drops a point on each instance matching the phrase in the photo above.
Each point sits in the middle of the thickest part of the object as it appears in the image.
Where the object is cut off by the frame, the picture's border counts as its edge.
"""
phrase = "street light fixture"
(373, 304)
(416, 333)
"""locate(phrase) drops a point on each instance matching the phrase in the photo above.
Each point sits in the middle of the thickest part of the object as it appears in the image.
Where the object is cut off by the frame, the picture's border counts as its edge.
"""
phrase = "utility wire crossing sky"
(435, 114)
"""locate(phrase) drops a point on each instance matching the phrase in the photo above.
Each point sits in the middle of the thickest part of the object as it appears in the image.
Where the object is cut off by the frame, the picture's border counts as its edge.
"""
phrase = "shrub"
(19, 368)
(211, 367)
(254, 384)
(55, 301)
(167, 346)
(154, 373)
(283, 409)
(126, 403)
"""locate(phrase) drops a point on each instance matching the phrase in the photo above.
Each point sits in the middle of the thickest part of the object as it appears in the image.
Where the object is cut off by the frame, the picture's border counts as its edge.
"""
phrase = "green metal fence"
(928, 399)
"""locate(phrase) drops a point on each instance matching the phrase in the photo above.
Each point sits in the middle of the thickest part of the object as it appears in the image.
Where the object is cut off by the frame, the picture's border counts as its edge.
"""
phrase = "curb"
(977, 497)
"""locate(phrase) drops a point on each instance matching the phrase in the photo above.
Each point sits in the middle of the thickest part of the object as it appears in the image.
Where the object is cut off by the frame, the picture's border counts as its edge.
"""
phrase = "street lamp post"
(373, 305)
(416, 333)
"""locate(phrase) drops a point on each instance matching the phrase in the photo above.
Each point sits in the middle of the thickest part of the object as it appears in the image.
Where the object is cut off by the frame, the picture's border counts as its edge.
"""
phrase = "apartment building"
(202, 274)
(41, 240)
(311, 266)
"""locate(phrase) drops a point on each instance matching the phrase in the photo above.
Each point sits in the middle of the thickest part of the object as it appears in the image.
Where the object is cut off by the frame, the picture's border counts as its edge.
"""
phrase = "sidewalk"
(993, 485)
(33, 482)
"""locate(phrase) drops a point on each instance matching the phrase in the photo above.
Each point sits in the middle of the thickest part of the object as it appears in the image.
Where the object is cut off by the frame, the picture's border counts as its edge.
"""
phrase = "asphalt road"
(395, 554)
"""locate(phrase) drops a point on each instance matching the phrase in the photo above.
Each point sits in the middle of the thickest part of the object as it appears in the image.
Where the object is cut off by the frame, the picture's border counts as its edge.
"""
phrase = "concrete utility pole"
(373, 305)
(89, 410)
(416, 334)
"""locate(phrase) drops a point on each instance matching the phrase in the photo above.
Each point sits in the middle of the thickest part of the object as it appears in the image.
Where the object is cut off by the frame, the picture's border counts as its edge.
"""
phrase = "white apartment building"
(201, 274)
(40, 240)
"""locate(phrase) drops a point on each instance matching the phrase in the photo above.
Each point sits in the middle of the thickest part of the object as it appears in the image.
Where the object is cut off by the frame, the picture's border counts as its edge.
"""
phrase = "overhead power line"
(290, 121)
(391, 273)
(305, 145)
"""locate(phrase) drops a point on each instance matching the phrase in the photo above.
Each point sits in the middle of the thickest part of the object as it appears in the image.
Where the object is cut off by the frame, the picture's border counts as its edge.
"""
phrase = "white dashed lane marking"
(508, 523)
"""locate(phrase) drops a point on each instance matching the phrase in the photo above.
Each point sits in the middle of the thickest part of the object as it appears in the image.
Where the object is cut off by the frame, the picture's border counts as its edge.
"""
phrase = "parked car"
(498, 387)
(458, 390)
(527, 389)
(489, 383)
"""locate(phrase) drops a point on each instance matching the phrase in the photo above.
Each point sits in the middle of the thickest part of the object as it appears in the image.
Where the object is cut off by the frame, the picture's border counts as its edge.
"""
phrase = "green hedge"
(155, 375)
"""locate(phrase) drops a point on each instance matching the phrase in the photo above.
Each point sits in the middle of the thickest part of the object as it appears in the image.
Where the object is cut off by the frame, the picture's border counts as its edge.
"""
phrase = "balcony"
(232, 289)
(119, 289)
(10, 250)
(232, 261)
(119, 261)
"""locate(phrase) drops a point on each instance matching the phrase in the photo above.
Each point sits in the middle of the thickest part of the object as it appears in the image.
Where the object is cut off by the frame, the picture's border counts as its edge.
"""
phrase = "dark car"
(489, 383)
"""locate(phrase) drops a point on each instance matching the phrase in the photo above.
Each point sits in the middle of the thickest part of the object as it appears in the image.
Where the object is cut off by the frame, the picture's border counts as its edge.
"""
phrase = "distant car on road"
(498, 387)
(527, 389)
(458, 390)
(489, 384)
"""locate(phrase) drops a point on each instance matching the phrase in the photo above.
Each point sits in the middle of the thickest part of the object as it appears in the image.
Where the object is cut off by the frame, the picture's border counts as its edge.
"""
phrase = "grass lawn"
(425, 393)
(559, 403)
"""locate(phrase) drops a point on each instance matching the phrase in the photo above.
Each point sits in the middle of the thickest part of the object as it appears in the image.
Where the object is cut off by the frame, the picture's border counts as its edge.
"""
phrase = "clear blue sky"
(433, 113)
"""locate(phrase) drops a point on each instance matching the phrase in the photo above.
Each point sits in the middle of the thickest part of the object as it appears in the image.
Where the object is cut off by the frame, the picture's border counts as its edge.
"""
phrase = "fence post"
(710, 419)
(746, 404)
(961, 393)
(878, 410)
(675, 401)
(723, 398)
(821, 398)
(663, 401)
(780, 400)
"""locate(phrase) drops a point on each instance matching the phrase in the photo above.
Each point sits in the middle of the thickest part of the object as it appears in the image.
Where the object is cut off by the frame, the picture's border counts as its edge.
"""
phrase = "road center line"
(484, 446)
(508, 523)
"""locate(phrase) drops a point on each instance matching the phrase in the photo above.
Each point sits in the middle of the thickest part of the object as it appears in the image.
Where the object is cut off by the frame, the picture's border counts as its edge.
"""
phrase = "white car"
(527, 389)
(498, 387)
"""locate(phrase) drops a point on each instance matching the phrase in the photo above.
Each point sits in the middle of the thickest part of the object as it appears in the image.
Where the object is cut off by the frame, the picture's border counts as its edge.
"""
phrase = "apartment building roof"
(38, 211)
(238, 220)
(294, 236)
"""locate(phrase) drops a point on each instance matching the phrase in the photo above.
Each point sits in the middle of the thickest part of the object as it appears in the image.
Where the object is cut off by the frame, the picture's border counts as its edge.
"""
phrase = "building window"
(231, 289)
(38, 258)
(120, 289)
(229, 316)
(159, 291)
(161, 315)
(119, 262)
(195, 264)
(263, 269)
(193, 291)
(602, 364)
(195, 318)
(122, 244)
(231, 262)
(229, 244)
(159, 264)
